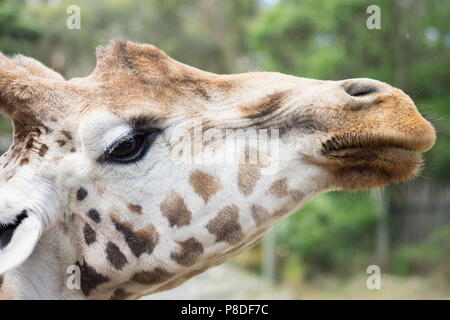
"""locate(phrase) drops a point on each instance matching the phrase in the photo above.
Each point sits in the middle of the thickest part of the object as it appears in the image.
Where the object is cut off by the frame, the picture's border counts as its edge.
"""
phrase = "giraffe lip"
(7, 230)
(361, 162)
(348, 144)
(386, 157)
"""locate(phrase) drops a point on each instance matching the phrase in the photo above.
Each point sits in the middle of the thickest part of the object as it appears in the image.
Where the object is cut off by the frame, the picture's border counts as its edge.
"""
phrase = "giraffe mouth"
(18, 240)
(7, 230)
(366, 161)
(340, 144)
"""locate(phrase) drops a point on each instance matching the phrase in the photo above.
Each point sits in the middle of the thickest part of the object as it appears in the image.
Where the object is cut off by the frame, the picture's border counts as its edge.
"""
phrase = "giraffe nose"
(361, 88)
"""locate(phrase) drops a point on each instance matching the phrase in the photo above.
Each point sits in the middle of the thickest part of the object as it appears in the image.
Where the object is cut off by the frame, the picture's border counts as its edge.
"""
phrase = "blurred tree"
(330, 232)
(17, 33)
(208, 34)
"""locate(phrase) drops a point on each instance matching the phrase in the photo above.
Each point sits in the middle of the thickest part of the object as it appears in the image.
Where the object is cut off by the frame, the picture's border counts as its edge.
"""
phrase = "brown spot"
(89, 234)
(61, 142)
(264, 106)
(115, 256)
(81, 194)
(43, 150)
(296, 195)
(67, 134)
(202, 92)
(248, 175)
(73, 150)
(94, 215)
(90, 278)
(204, 184)
(1, 280)
(120, 294)
(191, 250)
(156, 276)
(24, 161)
(137, 209)
(29, 143)
(141, 241)
(279, 188)
(226, 226)
(259, 214)
(175, 210)
(26, 123)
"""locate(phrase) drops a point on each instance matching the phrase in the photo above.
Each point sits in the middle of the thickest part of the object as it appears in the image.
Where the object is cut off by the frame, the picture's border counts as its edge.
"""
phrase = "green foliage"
(330, 231)
(320, 39)
(426, 257)
(17, 33)
(207, 34)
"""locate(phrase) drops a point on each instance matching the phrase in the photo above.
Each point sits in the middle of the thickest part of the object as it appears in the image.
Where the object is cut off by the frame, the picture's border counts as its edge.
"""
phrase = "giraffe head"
(124, 178)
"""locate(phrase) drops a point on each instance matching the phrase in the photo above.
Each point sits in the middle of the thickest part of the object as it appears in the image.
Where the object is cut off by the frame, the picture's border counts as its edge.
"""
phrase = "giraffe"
(93, 187)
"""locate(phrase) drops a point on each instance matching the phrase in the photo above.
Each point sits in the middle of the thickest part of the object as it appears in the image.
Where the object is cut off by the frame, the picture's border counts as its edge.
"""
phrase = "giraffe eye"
(130, 147)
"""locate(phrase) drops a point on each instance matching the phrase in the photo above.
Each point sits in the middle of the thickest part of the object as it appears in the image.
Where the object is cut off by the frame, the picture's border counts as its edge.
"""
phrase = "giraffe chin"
(19, 241)
(364, 168)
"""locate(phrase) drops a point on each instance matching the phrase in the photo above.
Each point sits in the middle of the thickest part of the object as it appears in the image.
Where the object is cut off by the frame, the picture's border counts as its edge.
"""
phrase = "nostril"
(359, 90)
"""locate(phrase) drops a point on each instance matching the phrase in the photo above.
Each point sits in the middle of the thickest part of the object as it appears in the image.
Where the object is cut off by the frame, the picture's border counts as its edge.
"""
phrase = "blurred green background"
(322, 251)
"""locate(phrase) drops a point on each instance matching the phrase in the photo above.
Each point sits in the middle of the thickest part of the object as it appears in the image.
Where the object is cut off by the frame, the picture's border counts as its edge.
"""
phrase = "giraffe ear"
(21, 80)
(18, 240)
(36, 68)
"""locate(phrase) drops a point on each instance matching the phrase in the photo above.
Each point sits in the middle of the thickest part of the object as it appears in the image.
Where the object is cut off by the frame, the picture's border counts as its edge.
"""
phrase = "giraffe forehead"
(151, 69)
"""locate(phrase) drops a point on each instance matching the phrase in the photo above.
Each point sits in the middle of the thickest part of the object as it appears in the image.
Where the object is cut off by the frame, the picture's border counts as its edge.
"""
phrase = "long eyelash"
(107, 152)
(123, 138)
(107, 156)
(144, 122)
